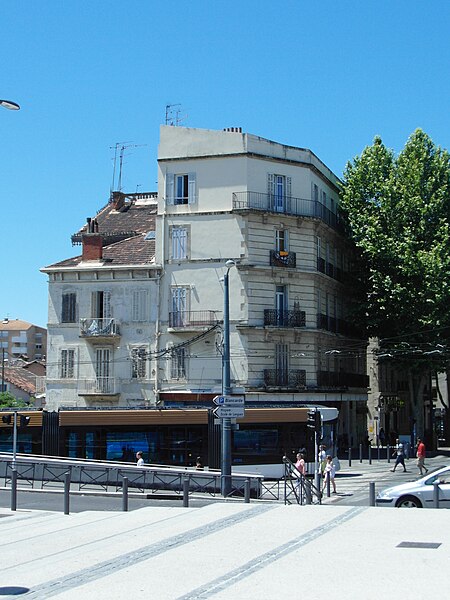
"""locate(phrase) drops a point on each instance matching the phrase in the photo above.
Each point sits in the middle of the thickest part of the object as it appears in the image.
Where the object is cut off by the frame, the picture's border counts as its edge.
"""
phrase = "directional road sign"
(229, 412)
(229, 400)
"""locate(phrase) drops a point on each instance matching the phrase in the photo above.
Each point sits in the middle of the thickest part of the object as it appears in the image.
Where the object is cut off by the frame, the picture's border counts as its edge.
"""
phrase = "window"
(179, 313)
(67, 364)
(281, 240)
(178, 363)
(179, 243)
(139, 310)
(281, 363)
(103, 370)
(315, 192)
(69, 308)
(279, 191)
(181, 188)
(101, 305)
(138, 363)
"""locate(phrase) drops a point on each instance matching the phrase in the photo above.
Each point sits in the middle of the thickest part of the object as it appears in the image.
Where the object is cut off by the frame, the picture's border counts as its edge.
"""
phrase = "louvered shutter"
(191, 188)
(170, 183)
(107, 309)
(288, 187)
(270, 184)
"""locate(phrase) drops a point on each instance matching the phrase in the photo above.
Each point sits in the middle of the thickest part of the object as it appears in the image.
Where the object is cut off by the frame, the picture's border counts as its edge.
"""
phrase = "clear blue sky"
(326, 75)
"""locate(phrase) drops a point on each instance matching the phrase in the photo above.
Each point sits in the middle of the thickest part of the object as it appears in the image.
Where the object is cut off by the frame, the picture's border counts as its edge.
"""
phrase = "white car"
(420, 493)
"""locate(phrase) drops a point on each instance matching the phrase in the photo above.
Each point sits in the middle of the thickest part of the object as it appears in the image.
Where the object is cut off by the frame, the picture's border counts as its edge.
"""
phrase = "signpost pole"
(226, 422)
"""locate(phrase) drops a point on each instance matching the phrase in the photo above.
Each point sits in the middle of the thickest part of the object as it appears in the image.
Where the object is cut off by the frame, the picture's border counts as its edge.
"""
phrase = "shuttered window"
(67, 369)
(69, 308)
(101, 305)
(179, 243)
(138, 363)
(181, 188)
(140, 306)
(178, 363)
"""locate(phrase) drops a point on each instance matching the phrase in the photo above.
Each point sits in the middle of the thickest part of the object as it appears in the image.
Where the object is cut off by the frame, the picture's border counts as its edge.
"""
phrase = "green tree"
(7, 400)
(398, 210)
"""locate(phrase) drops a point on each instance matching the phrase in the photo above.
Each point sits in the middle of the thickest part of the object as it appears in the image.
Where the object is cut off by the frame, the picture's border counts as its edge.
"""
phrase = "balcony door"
(281, 304)
(179, 306)
(281, 364)
(103, 369)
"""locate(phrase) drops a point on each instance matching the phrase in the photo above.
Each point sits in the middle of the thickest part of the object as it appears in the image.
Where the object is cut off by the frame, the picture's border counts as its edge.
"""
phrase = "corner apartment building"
(273, 210)
(19, 338)
(103, 310)
(137, 318)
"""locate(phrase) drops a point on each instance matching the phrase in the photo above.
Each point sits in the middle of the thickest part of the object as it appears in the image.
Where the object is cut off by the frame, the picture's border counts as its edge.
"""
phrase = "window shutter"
(270, 184)
(94, 307)
(191, 188)
(107, 309)
(170, 182)
(288, 187)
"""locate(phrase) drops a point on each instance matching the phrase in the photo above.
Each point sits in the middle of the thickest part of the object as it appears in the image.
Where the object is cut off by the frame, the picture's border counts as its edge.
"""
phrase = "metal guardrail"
(297, 487)
(38, 472)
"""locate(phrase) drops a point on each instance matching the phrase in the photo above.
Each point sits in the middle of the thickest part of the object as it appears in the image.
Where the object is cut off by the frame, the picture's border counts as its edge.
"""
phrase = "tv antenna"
(119, 149)
(173, 116)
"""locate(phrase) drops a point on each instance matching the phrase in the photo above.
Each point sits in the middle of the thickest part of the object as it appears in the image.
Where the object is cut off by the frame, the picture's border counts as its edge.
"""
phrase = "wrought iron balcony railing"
(284, 318)
(94, 327)
(338, 326)
(196, 318)
(285, 378)
(283, 259)
(273, 203)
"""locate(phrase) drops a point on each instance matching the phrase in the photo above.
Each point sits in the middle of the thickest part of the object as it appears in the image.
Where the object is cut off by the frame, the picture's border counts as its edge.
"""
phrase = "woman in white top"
(140, 460)
(329, 472)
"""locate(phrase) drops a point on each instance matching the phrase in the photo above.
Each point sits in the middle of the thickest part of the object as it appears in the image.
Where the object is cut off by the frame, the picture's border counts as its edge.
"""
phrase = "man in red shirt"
(421, 456)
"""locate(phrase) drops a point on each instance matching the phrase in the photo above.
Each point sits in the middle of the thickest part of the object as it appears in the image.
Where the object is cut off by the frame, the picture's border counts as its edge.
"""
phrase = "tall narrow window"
(138, 363)
(179, 313)
(103, 369)
(281, 363)
(67, 364)
(178, 363)
(179, 243)
(279, 191)
(140, 306)
(281, 240)
(69, 308)
(281, 304)
(101, 305)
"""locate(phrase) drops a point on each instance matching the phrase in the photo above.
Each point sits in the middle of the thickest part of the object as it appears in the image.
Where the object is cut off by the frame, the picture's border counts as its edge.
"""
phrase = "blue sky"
(326, 75)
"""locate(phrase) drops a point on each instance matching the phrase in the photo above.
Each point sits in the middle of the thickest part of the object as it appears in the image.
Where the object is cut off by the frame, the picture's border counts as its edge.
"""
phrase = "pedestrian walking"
(420, 454)
(322, 458)
(300, 465)
(382, 437)
(329, 473)
(400, 453)
(140, 459)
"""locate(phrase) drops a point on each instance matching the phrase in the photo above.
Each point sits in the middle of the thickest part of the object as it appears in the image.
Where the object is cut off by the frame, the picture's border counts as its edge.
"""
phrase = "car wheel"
(408, 502)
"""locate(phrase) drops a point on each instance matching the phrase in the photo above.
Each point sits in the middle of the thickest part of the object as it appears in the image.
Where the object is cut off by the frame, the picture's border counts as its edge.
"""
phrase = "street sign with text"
(229, 400)
(229, 412)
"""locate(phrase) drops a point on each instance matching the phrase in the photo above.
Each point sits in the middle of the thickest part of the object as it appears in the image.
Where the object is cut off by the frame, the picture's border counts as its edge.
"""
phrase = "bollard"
(125, 494)
(372, 493)
(186, 492)
(350, 456)
(308, 494)
(328, 485)
(378, 452)
(66, 492)
(14, 489)
(370, 454)
(388, 452)
(247, 491)
(436, 494)
(360, 453)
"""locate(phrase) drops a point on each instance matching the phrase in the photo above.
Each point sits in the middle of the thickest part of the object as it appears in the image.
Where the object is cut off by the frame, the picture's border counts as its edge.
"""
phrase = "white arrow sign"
(229, 412)
(229, 400)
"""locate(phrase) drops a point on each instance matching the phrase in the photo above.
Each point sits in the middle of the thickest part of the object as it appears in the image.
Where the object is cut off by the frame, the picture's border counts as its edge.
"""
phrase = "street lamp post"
(226, 385)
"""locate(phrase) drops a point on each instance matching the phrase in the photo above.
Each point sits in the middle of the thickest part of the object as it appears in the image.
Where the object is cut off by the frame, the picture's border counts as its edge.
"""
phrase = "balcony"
(100, 386)
(284, 318)
(196, 319)
(338, 326)
(291, 379)
(287, 205)
(99, 329)
(283, 259)
(342, 380)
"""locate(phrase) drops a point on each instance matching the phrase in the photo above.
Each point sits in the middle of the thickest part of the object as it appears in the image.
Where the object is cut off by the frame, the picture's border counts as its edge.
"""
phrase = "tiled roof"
(123, 233)
(14, 325)
(21, 378)
(132, 251)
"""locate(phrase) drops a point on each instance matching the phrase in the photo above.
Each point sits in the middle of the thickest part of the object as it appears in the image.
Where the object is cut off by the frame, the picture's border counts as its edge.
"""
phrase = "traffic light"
(7, 419)
(314, 420)
(23, 421)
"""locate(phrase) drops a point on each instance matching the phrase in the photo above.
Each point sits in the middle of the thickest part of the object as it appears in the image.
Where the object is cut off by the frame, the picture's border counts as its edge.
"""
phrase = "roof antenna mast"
(173, 116)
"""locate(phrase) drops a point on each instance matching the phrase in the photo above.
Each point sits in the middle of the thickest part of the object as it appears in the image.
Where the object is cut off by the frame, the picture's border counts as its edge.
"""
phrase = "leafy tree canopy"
(7, 400)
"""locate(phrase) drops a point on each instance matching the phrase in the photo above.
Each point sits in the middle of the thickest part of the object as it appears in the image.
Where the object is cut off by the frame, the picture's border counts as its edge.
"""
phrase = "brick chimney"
(92, 242)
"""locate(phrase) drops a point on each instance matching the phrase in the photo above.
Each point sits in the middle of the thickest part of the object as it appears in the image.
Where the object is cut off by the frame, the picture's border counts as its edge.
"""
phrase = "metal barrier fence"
(37, 472)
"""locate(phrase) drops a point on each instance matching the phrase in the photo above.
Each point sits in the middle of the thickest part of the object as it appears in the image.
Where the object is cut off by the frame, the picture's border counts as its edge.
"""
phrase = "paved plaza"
(343, 549)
